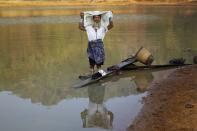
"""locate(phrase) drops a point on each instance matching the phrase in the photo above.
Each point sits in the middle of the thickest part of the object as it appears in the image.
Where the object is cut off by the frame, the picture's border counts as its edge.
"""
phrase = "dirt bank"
(171, 104)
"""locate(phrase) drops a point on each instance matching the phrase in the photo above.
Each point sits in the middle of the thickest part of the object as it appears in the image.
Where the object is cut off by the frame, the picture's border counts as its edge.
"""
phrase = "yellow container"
(144, 56)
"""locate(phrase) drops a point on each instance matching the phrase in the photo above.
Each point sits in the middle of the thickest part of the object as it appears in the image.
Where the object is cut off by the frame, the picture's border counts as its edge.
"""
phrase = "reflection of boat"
(142, 80)
(97, 115)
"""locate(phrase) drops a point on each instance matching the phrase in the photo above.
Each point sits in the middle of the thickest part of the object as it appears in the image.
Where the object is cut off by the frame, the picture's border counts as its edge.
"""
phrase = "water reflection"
(41, 57)
(96, 114)
(142, 80)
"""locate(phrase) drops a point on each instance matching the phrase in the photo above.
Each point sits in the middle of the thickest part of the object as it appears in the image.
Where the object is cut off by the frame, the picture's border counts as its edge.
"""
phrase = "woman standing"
(96, 33)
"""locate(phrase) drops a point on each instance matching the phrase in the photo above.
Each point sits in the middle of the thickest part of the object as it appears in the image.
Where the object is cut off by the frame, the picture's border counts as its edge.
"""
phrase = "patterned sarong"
(96, 51)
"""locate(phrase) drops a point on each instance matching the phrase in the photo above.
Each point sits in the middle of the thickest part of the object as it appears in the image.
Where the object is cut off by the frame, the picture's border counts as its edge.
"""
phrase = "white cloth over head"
(88, 23)
(105, 15)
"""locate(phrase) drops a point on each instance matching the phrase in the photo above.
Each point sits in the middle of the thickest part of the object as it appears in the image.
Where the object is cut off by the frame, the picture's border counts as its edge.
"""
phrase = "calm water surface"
(42, 56)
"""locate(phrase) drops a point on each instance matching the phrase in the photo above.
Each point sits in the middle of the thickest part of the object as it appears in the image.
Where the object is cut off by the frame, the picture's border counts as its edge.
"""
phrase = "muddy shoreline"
(171, 104)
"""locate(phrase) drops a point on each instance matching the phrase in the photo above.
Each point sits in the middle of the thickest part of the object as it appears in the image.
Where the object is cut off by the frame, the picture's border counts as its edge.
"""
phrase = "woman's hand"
(81, 24)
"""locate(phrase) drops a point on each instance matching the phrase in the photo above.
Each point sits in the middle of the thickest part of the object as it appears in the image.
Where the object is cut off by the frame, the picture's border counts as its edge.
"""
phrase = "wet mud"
(171, 103)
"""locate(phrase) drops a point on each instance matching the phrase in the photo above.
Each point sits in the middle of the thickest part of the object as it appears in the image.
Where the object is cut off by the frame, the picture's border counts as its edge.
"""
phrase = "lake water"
(42, 52)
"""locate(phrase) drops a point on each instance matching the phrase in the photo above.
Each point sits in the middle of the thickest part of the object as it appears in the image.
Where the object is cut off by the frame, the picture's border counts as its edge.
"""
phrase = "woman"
(96, 33)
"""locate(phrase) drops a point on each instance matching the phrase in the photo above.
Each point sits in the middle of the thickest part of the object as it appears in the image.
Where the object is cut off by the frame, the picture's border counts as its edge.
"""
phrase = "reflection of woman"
(97, 114)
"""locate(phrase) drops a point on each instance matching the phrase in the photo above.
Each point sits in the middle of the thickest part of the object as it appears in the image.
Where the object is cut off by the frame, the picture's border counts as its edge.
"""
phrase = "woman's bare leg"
(92, 69)
(98, 67)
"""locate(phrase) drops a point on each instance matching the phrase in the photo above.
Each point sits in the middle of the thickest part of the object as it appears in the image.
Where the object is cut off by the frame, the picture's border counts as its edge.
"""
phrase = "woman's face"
(97, 18)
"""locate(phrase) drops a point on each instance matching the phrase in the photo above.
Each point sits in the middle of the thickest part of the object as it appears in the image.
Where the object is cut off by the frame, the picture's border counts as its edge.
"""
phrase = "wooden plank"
(134, 67)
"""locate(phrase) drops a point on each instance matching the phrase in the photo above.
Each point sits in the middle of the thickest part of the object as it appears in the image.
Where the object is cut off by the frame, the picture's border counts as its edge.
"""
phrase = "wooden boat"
(107, 72)
(126, 64)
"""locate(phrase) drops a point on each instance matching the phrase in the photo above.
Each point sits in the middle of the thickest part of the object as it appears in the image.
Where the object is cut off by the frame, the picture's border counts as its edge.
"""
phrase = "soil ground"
(171, 103)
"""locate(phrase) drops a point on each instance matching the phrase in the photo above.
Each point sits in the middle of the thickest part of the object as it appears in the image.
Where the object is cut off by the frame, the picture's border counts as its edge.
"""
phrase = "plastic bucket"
(144, 56)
